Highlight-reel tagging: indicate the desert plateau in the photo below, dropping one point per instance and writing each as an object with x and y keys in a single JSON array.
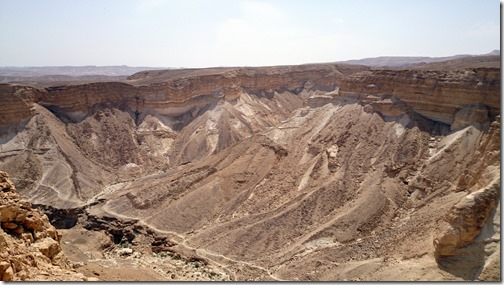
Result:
[{"x": 346, "y": 171}]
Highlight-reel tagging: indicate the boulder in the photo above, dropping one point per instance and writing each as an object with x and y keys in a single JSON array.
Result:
[
  {"x": 8, "y": 274},
  {"x": 9, "y": 226},
  {"x": 125, "y": 251},
  {"x": 466, "y": 219},
  {"x": 34, "y": 221},
  {"x": 48, "y": 247}
]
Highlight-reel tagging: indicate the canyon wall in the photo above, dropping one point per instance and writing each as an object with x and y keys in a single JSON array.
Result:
[{"x": 437, "y": 95}]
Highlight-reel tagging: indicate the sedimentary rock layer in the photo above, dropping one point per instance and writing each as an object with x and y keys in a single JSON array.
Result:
[
  {"x": 16, "y": 102},
  {"x": 437, "y": 95}
]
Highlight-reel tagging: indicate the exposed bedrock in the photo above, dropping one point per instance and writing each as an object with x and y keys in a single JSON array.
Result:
[
  {"x": 15, "y": 103},
  {"x": 470, "y": 114},
  {"x": 437, "y": 95},
  {"x": 29, "y": 245},
  {"x": 466, "y": 219}
]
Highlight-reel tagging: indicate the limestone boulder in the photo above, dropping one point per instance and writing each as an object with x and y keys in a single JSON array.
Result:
[
  {"x": 35, "y": 221},
  {"x": 466, "y": 219},
  {"x": 48, "y": 247}
]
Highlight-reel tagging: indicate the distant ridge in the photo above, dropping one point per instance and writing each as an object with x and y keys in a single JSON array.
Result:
[
  {"x": 120, "y": 70},
  {"x": 494, "y": 52},
  {"x": 91, "y": 73},
  {"x": 404, "y": 61}
]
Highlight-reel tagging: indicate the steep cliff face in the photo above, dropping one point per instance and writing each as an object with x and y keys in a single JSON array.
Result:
[
  {"x": 29, "y": 244},
  {"x": 437, "y": 95},
  {"x": 16, "y": 103},
  {"x": 175, "y": 92}
]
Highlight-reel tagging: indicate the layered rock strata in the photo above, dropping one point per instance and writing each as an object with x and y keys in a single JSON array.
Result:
[
  {"x": 437, "y": 95},
  {"x": 16, "y": 102}
]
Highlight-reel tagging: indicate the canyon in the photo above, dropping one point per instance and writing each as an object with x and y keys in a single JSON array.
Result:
[{"x": 307, "y": 172}]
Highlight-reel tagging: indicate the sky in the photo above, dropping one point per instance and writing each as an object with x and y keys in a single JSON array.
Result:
[{"x": 204, "y": 33}]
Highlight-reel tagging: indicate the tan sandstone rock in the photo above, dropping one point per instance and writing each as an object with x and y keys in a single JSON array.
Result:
[
  {"x": 24, "y": 256},
  {"x": 470, "y": 114},
  {"x": 466, "y": 219}
]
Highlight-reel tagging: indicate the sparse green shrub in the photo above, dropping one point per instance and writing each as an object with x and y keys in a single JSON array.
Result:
[
  {"x": 124, "y": 244},
  {"x": 212, "y": 275}
]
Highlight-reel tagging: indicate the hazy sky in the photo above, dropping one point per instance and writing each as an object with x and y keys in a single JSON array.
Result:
[{"x": 200, "y": 33}]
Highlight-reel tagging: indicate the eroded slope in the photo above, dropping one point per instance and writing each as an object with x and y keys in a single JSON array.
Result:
[{"x": 334, "y": 183}]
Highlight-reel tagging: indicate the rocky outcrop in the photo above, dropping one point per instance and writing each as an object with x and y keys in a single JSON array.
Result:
[
  {"x": 466, "y": 219},
  {"x": 29, "y": 244}
]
